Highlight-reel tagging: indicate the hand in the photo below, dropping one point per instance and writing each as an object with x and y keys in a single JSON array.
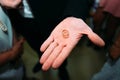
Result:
[
  {"x": 63, "y": 39},
  {"x": 17, "y": 49},
  {"x": 10, "y": 3}
]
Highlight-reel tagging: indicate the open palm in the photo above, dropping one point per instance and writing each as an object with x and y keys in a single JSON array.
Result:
[{"x": 63, "y": 39}]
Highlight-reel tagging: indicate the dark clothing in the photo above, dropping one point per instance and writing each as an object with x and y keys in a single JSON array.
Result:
[
  {"x": 47, "y": 15},
  {"x": 56, "y": 10}
]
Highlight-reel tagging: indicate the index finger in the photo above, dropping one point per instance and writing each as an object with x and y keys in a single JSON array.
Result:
[{"x": 45, "y": 45}]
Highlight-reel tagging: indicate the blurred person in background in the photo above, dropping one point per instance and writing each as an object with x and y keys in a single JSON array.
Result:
[
  {"x": 106, "y": 24},
  {"x": 11, "y": 66}
]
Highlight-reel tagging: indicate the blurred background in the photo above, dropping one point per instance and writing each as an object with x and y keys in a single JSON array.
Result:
[{"x": 83, "y": 63}]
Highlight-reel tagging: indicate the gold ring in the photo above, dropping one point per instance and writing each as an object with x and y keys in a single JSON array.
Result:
[{"x": 65, "y": 34}]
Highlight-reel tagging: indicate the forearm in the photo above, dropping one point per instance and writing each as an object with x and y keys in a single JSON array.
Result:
[{"x": 6, "y": 56}]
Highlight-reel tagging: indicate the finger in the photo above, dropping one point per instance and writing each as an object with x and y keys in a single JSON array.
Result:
[
  {"x": 13, "y": 3},
  {"x": 96, "y": 39},
  {"x": 19, "y": 5},
  {"x": 46, "y": 44},
  {"x": 48, "y": 51},
  {"x": 16, "y": 2},
  {"x": 22, "y": 40},
  {"x": 63, "y": 55},
  {"x": 51, "y": 58},
  {"x": 93, "y": 36}
]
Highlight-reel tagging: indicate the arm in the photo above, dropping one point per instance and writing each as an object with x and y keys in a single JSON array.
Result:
[
  {"x": 12, "y": 53},
  {"x": 63, "y": 39},
  {"x": 5, "y": 57}
]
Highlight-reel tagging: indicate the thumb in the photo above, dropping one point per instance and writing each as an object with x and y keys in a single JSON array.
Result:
[{"x": 96, "y": 39}]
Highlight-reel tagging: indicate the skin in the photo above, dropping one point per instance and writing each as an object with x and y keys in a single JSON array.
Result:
[
  {"x": 14, "y": 53},
  {"x": 63, "y": 39},
  {"x": 10, "y": 3}
]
